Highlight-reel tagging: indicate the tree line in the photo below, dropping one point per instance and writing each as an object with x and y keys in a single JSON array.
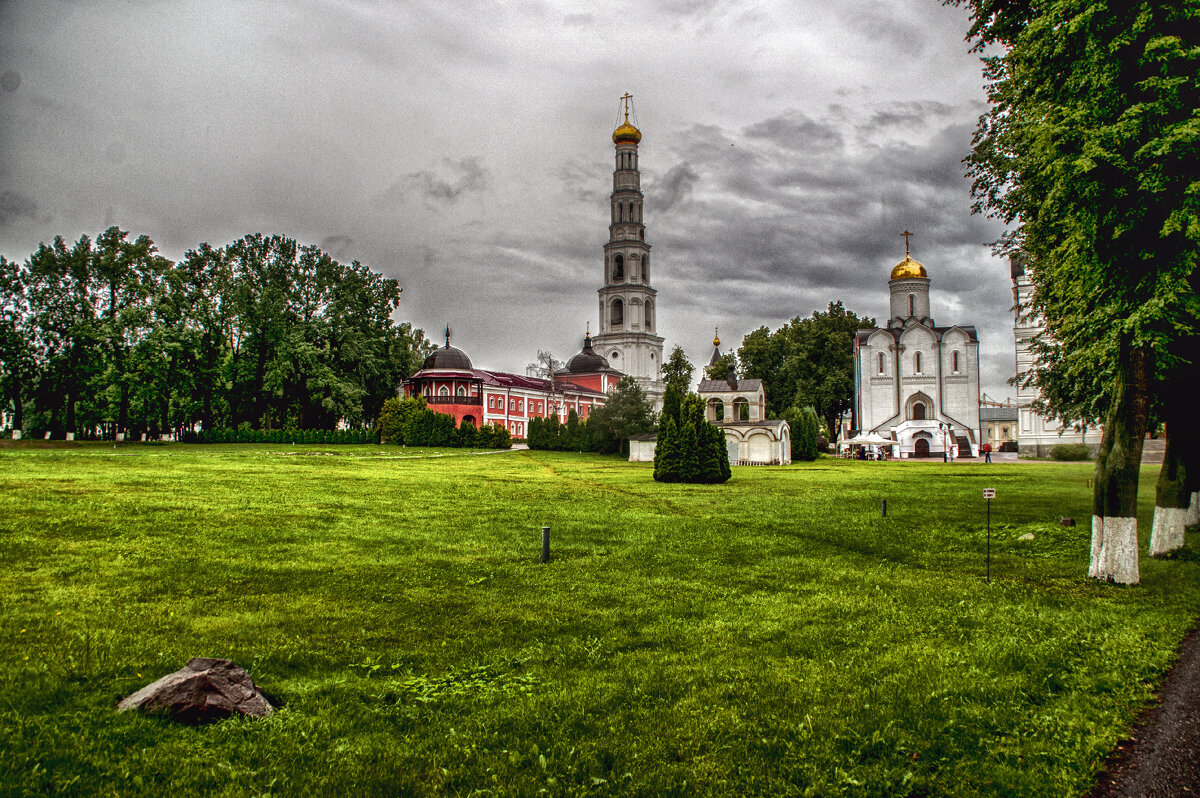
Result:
[{"x": 107, "y": 336}]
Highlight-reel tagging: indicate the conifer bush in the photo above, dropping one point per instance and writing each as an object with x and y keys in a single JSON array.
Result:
[{"x": 690, "y": 449}]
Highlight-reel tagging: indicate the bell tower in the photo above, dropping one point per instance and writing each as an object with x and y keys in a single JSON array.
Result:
[{"x": 628, "y": 305}]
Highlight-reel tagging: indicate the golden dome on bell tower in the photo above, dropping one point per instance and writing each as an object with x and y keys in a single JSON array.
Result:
[{"x": 627, "y": 132}]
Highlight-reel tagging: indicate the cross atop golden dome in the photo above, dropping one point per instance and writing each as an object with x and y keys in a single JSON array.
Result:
[
  {"x": 908, "y": 267},
  {"x": 627, "y": 132}
]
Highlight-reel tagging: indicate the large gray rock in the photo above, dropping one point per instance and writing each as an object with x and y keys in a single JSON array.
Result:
[{"x": 203, "y": 691}]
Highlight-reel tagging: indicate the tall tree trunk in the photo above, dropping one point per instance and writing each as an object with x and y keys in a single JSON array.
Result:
[
  {"x": 1173, "y": 493},
  {"x": 1114, "y": 501},
  {"x": 18, "y": 406}
]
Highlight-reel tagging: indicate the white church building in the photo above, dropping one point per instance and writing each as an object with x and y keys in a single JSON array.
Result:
[{"x": 915, "y": 382}]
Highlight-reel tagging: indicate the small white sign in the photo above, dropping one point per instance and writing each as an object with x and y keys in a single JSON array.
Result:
[{"x": 989, "y": 493}]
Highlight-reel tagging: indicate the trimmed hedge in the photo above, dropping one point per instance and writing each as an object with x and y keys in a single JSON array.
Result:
[
  {"x": 339, "y": 436},
  {"x": 1071, "y": 451}
]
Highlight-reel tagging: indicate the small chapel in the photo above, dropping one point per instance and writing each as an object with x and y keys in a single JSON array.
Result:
[
  {"x": 914, "y": 381},
  {"x": 738, "y": 407}
]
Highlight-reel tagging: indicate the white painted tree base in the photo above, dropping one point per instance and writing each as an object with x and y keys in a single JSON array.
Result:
[
  {"x": 1167, "y": 533},
  {"x": 1114, "y": 550},
  {"x": 1193, "y": 512}
]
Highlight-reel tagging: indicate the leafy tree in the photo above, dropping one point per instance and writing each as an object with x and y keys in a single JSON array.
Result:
[
  {"x": 677, "y": 371},
  {"x": 18, "y": 359},
  {"x": 627, "y": 412},
  {"x": 808, "y": 361},
  {"x": 720, "y": 369},
  {"x": 394, "y": 417},
  {"x": 1088, "y": 154}
]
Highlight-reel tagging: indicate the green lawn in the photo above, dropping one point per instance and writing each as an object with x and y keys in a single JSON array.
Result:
[{"x": 773, "y": 635}]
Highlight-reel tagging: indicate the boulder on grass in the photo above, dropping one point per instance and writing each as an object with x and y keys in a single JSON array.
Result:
[{"x": 203, "y": 691}]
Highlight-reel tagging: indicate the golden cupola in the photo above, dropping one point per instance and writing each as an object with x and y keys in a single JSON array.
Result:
[
  {"x": 908, "y": 268},
  {"x": 627, "y": 132}
]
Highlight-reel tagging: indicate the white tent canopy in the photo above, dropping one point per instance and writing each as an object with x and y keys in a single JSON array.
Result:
[{"x": 869, "y": 440}]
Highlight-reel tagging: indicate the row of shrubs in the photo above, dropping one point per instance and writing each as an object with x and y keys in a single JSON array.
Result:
[
  {"x": 410, "y": 422},
  {"x": 244, "y": 435},
  {"x": 426, "y": 427},
  {"x": 574, "y": 436}
]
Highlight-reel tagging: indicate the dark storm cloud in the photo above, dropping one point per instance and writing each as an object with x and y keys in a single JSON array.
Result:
[
  {"x": 907, "y": 114},
  {"x": 445, "y": 186},
  {"x": 787, "y": 228},
  {"x": 797, "y": 132},
  {"x": 14, "y": 206},
  {"x": 676, "y": 186}
]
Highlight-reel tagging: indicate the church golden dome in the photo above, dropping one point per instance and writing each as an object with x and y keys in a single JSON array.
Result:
[
  {"x": 627, "y": 132},
  {"x": 908, "y": 268}
]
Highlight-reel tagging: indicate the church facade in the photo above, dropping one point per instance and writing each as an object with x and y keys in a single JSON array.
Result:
[{"x": 914, "y": 381}]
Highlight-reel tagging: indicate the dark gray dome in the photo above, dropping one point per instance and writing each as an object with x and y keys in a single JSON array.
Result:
[
  {"x": 448, "y": 357},
  {"x": 587, "y": 361}
]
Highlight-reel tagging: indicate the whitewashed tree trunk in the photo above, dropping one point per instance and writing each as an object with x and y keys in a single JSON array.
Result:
[
  {"x": 1094, "y": 569},
  {"x": 1118, "y": 463},
  {"x": 1119, "y": 554},
  {"x": 1167, "y": 533},
  {"x": 1193, "y": 513}
]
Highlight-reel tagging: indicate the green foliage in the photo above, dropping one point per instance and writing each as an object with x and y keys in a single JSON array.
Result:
[
  {"x": 109, "y": 335},
  {"x": 627, "y": 412},
  {"x": 805, "y": 432},
  {"x": 724, "y": 364},
  {"x": 808, "y": 361},
  {"x": 1088, "y": 154},
  {"x": 394, "y": 416},
  {"x": 397, "y": 609},
  {"x": 691, "y": 450},
  {"x": 1070, "y": 452},
  {"x": 677, "y": 371}
]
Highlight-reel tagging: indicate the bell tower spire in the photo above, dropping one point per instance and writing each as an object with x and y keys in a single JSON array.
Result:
[{"x": 628, "y": 303}]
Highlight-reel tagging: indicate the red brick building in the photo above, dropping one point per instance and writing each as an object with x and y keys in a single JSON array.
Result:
[{"x": 452, "y": 385}]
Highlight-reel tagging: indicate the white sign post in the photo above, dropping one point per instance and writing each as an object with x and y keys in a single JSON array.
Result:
[{"x": 989, "y": 494}]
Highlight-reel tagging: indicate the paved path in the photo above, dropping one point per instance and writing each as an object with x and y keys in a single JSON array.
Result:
[{"x": 1161, "y": 758}]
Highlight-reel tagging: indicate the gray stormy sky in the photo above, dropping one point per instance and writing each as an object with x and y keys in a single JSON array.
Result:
[{"x": 465, "y": 148}]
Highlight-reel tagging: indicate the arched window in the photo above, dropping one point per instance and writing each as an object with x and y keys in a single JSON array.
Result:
[
  {"x": 881, "y": 362},
  {"x": 741, "y": 409},
  {"x": 912, "y": 305},
  {"x": 645, "y": 268},
  {"x": 716, "y": 410},
  {"x": 650, "y": 317},
  {"x": 491, "y": 402},
  {"x": 954, "y": 361},
  {"x": 462, "y": 390},
  {"x": 918, "y": 411},
  {"x": 443, "y": 391},
  {"x": 616, "y": 313},
  {"x": 917, "y": 362},
  {"x": 618, "y": 268}
]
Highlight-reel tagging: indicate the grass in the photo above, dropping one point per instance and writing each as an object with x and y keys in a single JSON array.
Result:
[{"x": 774, "y": 635}]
